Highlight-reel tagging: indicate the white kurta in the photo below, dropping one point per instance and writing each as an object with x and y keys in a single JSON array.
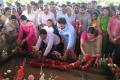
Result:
[
  {"x": 29, "y": 16},
  {"x": 42, "y": 18},
  {"x": 48, "y": 29}
]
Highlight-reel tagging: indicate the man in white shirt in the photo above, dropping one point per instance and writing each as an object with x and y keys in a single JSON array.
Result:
[
  {"x": 28, "y": 13},
  {"x": 45, "y": 15},
  {"x": 52, "y": 41},
  {"x": 35, "y": 11},
  {"x": 53, "y": 8}
]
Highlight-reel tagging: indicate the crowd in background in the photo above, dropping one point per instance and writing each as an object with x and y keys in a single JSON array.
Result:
[{"x": 66, "y": 30}]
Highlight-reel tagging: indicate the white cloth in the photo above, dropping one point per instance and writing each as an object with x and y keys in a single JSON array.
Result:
[
  {"x": 42, "y": 18},
  {"x": 52, "y": 39},
  {"x": 35, "y": 16},
  {"x": 48, "y": 29},
  {"x": 29, "y": 16}
]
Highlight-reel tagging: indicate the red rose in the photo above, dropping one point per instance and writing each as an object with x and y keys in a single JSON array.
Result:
[
  {"x": 85, "y": 68},
  {"x": 77, "y": 23},
  {"x": 114, "y": 70},
  {"x": 98, "y": 55},
  {"x": 1, "y": 77},
  {"x": 86, "y": 57},
  {"x": 109, "y": 60},
  {"x": 77, "y": 64}
]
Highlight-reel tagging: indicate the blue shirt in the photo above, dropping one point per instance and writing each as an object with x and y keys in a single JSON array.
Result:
[
  {"x": 69, "y": 36},
  {"x": 60, "y": 14},
  {"x": 70, "y": 18},
  {"x": 1, "y": 2}
]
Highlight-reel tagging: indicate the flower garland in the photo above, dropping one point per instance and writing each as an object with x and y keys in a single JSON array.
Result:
[{"x": 84, "y": 64}]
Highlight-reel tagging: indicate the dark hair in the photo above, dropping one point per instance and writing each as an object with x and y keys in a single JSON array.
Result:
[
  {"x": 94, "y": 2},
  {"x": 13, "y": 17},
  {"x": 112, "y": 8},
  {"x": 51, "y": 21},
  {"x": 62, "y": 21},
  {"x": 32, "y": 2},
  {"x": 52, "y": 3},
  {"x": 94, "y": 13},
  {"x": 77, "y": 5},
  {"x": 92, "y": 30},
  {"x": 63, "y": 5},
  {"x": 42, "y": 31},
  {"x": 23, "y": 17},
  {"x": 35, "y": 4},
  {"x": 7, "y": 9},
  {"x": 107, "y": 8},
  {"x": 83, "y": 6},
  {"x": 40, "y": 2},
  {"x": 17, "y": 4}
]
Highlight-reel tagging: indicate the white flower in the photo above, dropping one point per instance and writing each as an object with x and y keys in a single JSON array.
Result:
[
  {"x": 31, "y": 77},
  {"x": 13, "y": 50},
  {"x": 42, "y": 77},
  {"x": 5, "y": 73},
  {"x": 9, "y": 71}
]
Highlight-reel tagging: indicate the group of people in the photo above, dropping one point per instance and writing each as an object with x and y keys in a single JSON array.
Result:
[{"x": 66, "y": 30}]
